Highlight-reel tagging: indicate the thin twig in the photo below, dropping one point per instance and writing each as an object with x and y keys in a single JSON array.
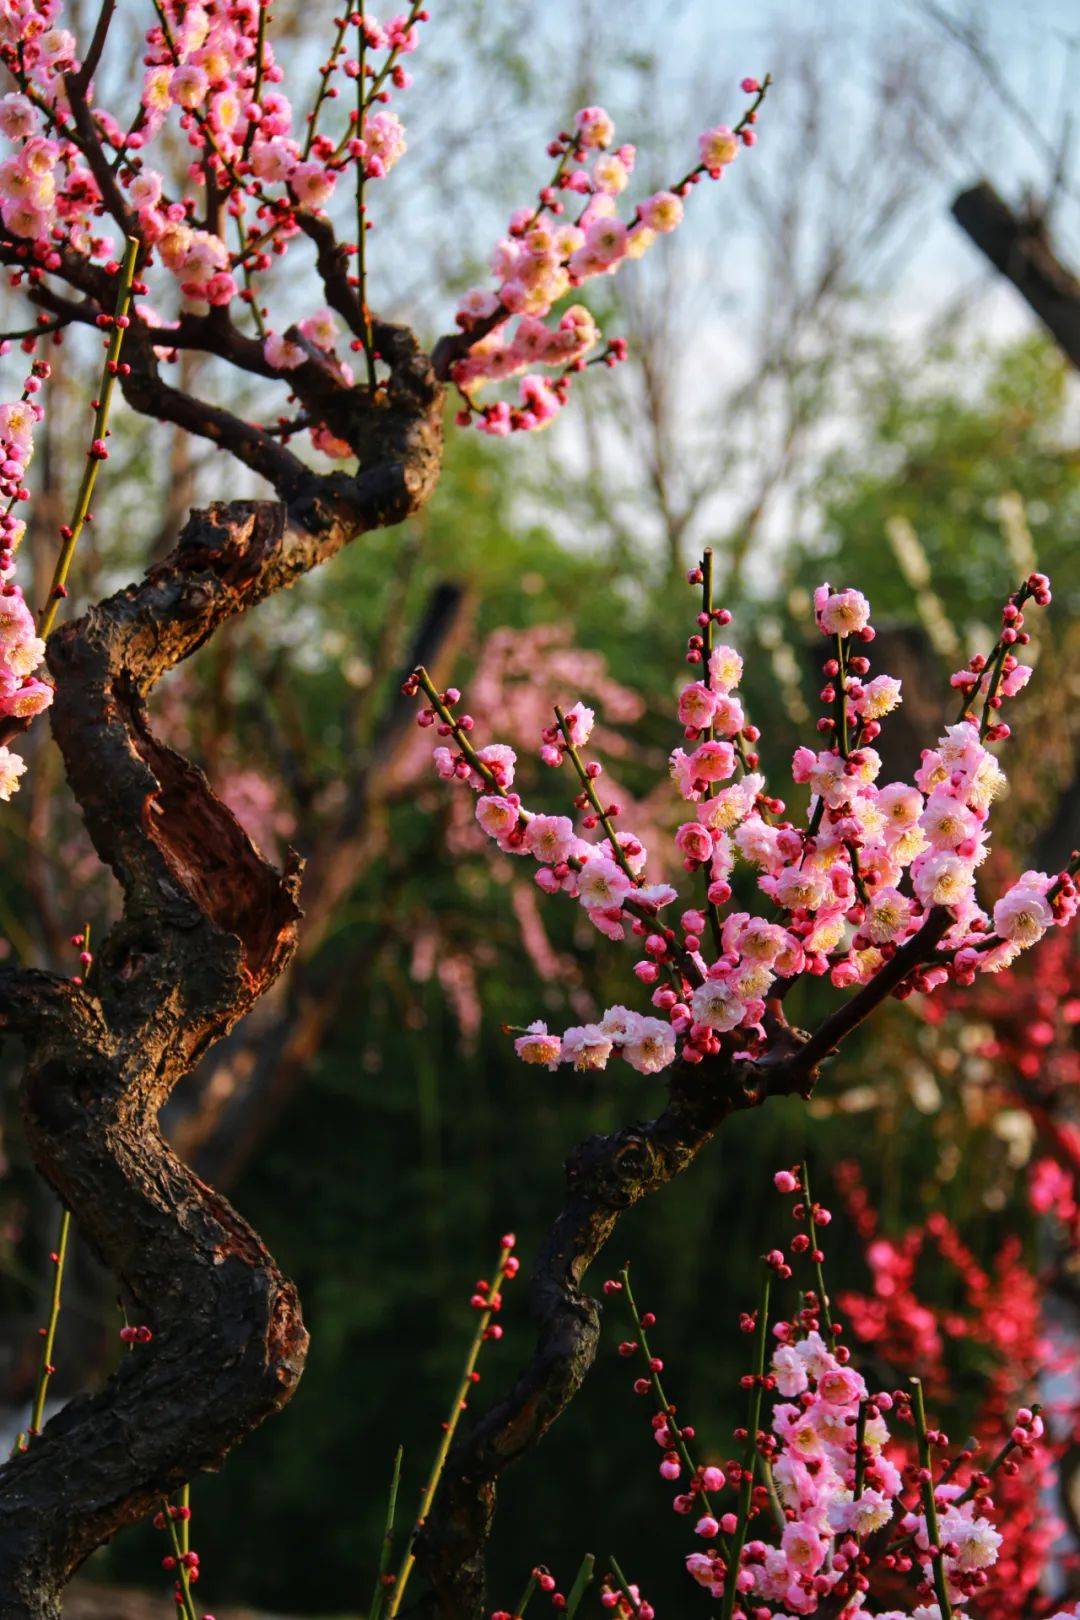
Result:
[
  {"x": 941, "y": 1585},
  {"x": 58, "y": 586},
  {"x": 46, "y": 1369},
  {"x": 823, "y": 1297},
  {"x": 387, "y": 1545},
  {"x": 746, "y": 1483},
  {"x": 450, "y": 1427}
]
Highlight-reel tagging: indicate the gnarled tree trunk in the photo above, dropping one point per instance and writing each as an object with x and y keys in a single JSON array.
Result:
[{"x": 207, "y": 927}]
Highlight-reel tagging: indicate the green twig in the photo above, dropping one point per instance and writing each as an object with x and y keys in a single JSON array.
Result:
[
  {"x": 823, "y": 1297},
  {"x": 434, "y": 697},
  {"x": 663, "y": 1404},
  {"x": 325, "y": 74},
  {"x": 386, "y": 1546},
  {"x": 624, "y": 1584},
  {"x": 941, "y": 1585},
  {"x": 994, "y": 1464},
  {"x": 580, "y": 1586},
  {"x": 526, "y": 1597},
  {"x": 185, "y": 1534},
  {"x": 618, "y": 854},
  {"x": 750, "y": 1452},
  {"x": 58, "y": 587},
  {"x": 185, "y": 1601},
  {"x": 46, "y": 1369},
  {"x": 449, "y": 1429},
  {"x": 634, "y": 907}
]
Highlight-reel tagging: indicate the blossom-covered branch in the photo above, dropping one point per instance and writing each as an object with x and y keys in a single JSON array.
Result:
[
  {"x": 836, "y": 1511},
  {"x": 874, "y": 890},
  {"x": 877, "y": 889},
  {"x": 546, "y": 253}
]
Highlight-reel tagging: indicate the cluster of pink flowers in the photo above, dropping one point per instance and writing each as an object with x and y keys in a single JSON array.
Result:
[
  {"x": 852, "y": 886},
  {"x": 266, "y": 172},
  {"x": 553, "y": 248},
  {"x": 30, "y": 200},
  {"x": 212, "y": 67},
  {"x": 628, "y": 1604},
  {"x": 543, "y": 1580},
  {"x": 77, "y": 171},
  {"x": 830, "y": 1505},
  {"x": 22, "y": 694},
  {"x": 810, "y": 1451},
  {"x": 209, "y": 64}
]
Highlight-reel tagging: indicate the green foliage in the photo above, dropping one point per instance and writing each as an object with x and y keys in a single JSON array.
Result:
[{"x": 943, "y": 449}]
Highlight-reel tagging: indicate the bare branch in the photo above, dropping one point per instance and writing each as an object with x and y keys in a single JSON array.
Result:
[{"x": 80, "y": 81}]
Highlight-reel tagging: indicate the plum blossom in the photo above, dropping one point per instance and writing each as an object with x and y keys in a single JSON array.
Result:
[
  {"x": 1023, "y": 914},
  {"x": 586, "y": 1046},
  {"x": 497, "y": 816},
  {"x": 841, "y": 613},
  {"x": 538, "y": 1047},
  {"x": 12, "y": 766},
  {"x": 550, "y": 839},
  {"x": 544, "y": 255},
  {"x": 651, "y": 1046},
  {"x": 602, "y": 883}
]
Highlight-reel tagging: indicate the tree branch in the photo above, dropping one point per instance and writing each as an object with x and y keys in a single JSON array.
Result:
[
  {"x": 80, "y": 81},
  {"x": 605, "y": 1175},
  {"x": 221, "y": 1125},
  {"x": 858, "y": 1008}
]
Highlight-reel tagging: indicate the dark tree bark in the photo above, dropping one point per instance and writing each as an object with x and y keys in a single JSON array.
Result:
[
  {"x": 1020, "y": 248},
  {"x": 207, "y": 927}
]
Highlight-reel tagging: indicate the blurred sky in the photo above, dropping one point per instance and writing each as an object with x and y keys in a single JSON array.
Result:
[
  {"x": 999, "y": 79},
  {"x": 1030, "y": 81}
]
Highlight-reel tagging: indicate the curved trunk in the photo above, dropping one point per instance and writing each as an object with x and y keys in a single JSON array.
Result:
[{"x": 208, "y": 926}]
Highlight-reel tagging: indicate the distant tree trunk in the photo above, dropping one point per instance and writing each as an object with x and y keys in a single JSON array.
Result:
[{"x": 1019, "y": 247}]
